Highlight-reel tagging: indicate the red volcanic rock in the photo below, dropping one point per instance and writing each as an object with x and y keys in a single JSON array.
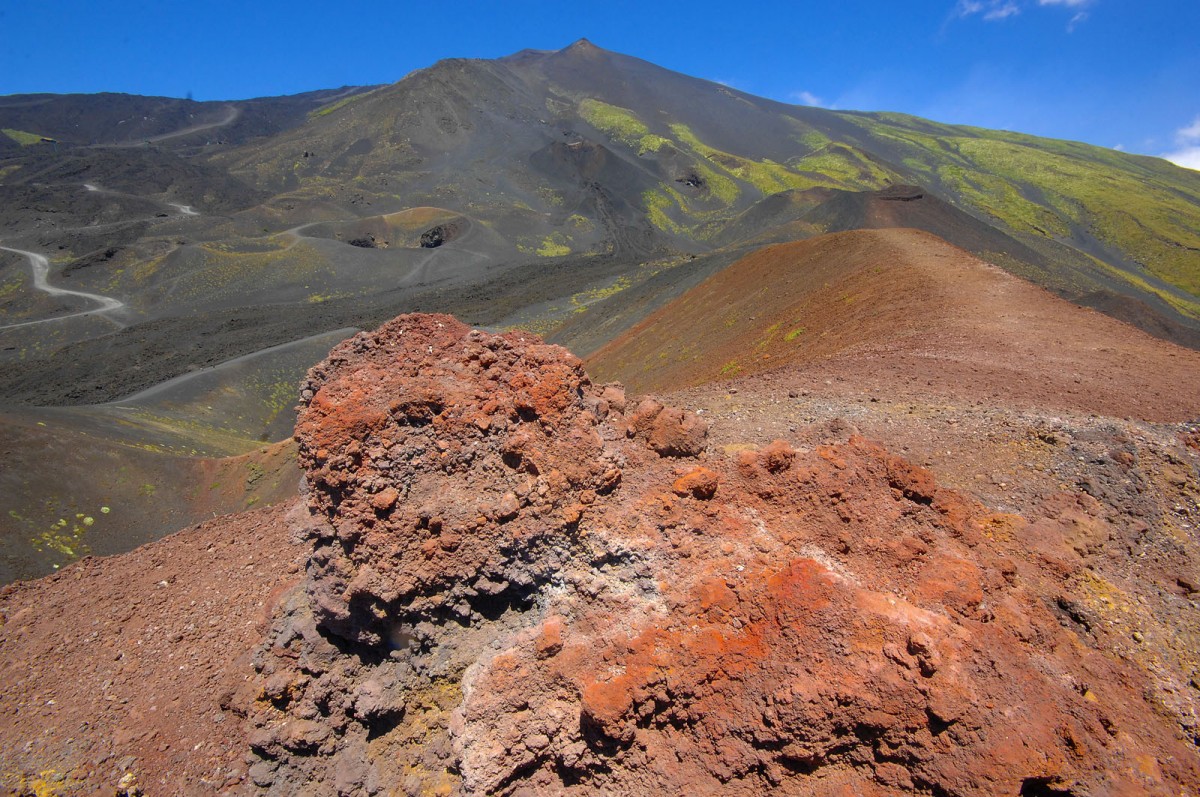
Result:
[
  {"x": 777, "y": 456},
  {"x": 701, "y": 482},
  {"x": 514, "y": 589},
  {"x": 670, "y": 431},
  {"x": 677, "y": 433},
  {"x": 441, "y": 456}
]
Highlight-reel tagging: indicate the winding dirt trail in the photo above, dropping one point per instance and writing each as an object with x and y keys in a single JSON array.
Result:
[
  {"x": 231, "y": 116},
  {"x": 40, "y": 267},
  {"x": 185, "y": 210},
  {"x": 335, "y": 336}
]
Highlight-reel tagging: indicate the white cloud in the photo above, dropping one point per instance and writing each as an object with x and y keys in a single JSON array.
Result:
[
  {"x": 807, "y": 98},
  {"x": 998, "y": 10},
  {"x": 1188, "y": 158},
  {"x": 1078, "y": 17},
  {"x": 1189, "y": 133},
  {"x": 1187, "y": 139},
  {"x": 1001, "y": 12},
  {"x": 991, "y": 10}
]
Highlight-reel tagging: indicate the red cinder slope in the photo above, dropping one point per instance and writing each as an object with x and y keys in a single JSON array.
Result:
[
  {"x": 901, "y": 310},
  {"x": 120, "y": 665}
]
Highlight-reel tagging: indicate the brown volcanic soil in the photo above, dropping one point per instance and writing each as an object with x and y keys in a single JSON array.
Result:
[
  {"x": 118, "y": 665},
  {"x": 899, "y": 312},
  {"x": 522, "y": 583}
]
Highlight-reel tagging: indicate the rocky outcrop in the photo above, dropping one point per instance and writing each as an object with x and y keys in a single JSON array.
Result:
[
  {"x": 525, "y": 583},
  {"x": 436, "y": 236}
]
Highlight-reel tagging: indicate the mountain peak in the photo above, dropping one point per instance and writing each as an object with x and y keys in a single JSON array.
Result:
[{"x": 581, "y": 46}]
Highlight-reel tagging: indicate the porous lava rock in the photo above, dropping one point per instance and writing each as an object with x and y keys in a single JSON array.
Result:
[
  {"x": 522, "y": 583},
  {"x": 436, "y": 236}
]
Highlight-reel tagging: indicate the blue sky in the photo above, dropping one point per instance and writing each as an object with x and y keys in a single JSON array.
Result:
[{"x": 1117, "y": 73}]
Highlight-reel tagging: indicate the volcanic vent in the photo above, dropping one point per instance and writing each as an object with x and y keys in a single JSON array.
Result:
[{"x": 522, "y": 582}]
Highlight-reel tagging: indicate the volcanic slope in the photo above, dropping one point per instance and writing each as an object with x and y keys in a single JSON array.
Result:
[
  {"x": 126, "y": 120},
  {"x": 801, "y": 214},
  {"x": 522, "y": 582},
  {"x": 900, "y": 311},
  {"x": 581, "y": 149},
  {"x": 558, "y": 178}
]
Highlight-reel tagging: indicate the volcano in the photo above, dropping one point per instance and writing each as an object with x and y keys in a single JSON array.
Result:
[{"x": 651, "y": 436}]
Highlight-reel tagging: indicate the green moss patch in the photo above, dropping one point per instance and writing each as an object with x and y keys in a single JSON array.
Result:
[
  {"x": 622, "y": 125},
  {"x": 21, "y": 137}
]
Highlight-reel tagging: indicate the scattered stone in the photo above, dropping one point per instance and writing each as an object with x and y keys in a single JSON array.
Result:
[
  {"x": 386, "y": 499},
  {"x": 128, "y": 786}
]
